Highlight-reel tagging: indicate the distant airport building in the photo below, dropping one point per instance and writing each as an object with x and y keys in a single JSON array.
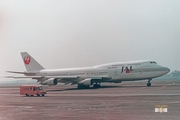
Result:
[{"x": 175, "y": 73}]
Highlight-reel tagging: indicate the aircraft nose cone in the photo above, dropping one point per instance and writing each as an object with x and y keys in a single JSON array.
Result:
[{"x": 166, "y": 69}]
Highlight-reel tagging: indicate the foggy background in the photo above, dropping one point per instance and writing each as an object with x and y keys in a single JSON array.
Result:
[{"x": 79, "y": 33}]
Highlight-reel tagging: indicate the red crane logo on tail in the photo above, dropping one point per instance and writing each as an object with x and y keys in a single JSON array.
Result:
[{"x": 27, "y": 60}]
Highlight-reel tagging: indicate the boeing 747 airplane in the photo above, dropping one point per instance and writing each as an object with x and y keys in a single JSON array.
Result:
[{"x": 86, "y": 77}]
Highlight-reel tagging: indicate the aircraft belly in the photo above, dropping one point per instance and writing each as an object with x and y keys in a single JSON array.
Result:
[{"x": 135, "y": 76}]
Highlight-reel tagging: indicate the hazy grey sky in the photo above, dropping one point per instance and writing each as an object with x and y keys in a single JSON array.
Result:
[{"x": 77, "y": 33}]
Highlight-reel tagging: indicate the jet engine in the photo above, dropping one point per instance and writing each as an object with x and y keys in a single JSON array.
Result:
[
  {"x": 86, "y": 82},
  {"x": 51, "y": 81}
]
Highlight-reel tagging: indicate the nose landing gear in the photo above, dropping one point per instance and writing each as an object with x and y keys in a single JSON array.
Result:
[{"x": 149, "y": 82}]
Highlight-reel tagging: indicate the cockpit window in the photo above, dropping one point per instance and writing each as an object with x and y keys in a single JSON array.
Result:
[
  {"x": 153, "y": 62},
  {"x": 40, "y": 88}
]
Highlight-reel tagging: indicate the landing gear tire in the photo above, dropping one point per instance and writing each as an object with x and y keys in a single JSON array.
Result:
[
  {"x": 148, "y": 84},
  {"x": 96, "y": 85}
]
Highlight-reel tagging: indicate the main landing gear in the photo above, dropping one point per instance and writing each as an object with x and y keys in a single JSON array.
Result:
[
  {"x": 81, "y": 86},
  {"x": 97, "y": 85},
  {"x": 149, "y": 82}
]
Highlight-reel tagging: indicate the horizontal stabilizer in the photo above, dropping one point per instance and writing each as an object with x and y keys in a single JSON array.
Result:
[
  {"x": 32, "y": 77},
  {"x": 25, "y": 73},
  {"x": 18, "y": 72}
]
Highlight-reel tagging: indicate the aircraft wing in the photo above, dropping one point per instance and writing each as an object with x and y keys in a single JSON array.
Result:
[
  {"x": 74, "y": 80},
  {"x": 62, "y": 79},
  {"x": 39, "y": 77},
  {"x": 73, "y": 77},
  {"x": 101, "y": 77}
]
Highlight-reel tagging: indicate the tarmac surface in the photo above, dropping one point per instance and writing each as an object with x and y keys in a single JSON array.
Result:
[{"x": 125, "y": 101}]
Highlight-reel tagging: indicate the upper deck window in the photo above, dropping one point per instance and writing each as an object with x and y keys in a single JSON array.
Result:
[{"x": 153, "y": 62}]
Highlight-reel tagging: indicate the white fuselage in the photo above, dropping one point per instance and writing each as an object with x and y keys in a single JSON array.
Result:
[{"x": 112, "y": 72}]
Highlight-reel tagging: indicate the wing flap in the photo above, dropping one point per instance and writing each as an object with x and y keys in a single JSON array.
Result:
[
  {"x": 63, "y": 77},
  {"x": 100, "y": 77}
]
